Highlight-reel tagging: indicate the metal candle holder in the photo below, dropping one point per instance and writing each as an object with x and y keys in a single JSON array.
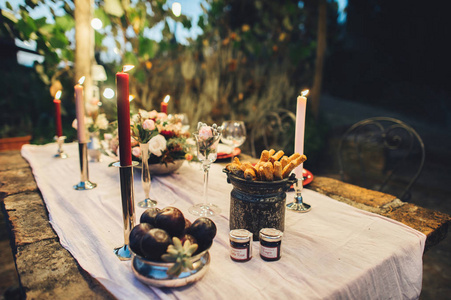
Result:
[
  {"x": 128, "y": 208},
  {"x": 84, "y": 183},
  {"x": 298, "y": 205},
  {"x": 60, "y": 142}
]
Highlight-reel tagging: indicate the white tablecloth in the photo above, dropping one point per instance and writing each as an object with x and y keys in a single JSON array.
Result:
[{"x": 333, "y": 252}]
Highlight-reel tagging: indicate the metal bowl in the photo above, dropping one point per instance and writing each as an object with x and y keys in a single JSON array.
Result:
[
  {"x": 154, "y": 273},
  {"x": 162, "y": 169}
]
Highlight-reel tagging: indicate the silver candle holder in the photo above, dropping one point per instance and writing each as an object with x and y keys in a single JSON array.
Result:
[
  {"x": 128, "y": 208},
  {"x": 298, "y": 205},
  {"x": 60, "y": 142},
  {"x": 84, "y": 183}
]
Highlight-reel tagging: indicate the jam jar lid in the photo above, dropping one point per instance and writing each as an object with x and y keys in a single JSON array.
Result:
[
  {"x": 240, "y": 235},
  {"x": 270, "y": 234}
]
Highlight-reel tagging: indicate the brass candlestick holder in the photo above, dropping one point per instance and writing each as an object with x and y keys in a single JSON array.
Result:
[
  {"x": 84, "y": 183},
  {"x": 298, "y": 205},
  {"x": 60, "y": 142},
  {"x": 128, "y": 208}
]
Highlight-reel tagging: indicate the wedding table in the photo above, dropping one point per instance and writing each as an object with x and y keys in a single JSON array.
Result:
[{"x": 335, "y": 251}]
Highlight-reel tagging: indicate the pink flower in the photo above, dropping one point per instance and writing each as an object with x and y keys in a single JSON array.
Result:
[
  {"x": 136, "y": 151},
  {"x": 149, "y": 124},
  {"x": 205, "y": 133},
  {"x": 153, "y": 114},
  {"x": 133, "y": 142},
  {"x": 162, "y": 116}
]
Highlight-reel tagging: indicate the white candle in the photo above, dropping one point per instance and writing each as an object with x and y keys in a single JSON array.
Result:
[
  {"x": 301, "y": 108},
  {"x": 80, "y": 111}
]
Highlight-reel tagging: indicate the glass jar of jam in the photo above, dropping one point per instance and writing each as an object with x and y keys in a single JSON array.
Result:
[
  {"x": 270, "y": 243},
  {"x": 240, "y": 245}
]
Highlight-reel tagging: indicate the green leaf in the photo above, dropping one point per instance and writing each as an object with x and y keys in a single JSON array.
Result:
[
  {"x": 130, "y": 59},
  {"x": 114, "y": 7},
  {"x": 146, "y": 49},
  {"x": 65, "y": 22},
  {"x": 59, "y": 40}
]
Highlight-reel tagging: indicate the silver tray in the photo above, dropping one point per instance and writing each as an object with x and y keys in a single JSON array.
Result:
[{"x": 154, "y": 273}]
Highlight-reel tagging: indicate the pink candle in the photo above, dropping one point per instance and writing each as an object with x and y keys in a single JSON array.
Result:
[
  {"x": 80, "y": 111},
  {"x": 58, "y": 123},
  {"x": 123, "y": 118},
  {"x": 300, "y": 129},
  {"x": 164, "y": 104}
]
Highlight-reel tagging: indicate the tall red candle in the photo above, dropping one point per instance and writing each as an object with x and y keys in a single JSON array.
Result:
[
  {"x": 164, "y": 104},
  {"x": 123, "y": 118},
  {"x": 58, "y": 123}
]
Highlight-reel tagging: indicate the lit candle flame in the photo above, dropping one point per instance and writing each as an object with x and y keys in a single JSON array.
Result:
[
  {"x": 304, "y": 93},
  {"x": 127, "y": 68},
  {"x": 130, "y": 98},
  {"x": 58, "y": 95},
  {"x": 81, "y": 80},
  {"x": 166, "y": 99}
]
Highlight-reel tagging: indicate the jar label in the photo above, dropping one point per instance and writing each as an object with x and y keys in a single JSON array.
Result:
[
  {"x": 268, "y": 252},
  {"x": 239, "y": 254}
]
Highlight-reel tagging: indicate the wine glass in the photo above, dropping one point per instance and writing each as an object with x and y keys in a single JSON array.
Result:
[
  {"x": 233, "y": 133},
  {"x": 183, "y": 118},
  {"x": 207, "y": 140}
]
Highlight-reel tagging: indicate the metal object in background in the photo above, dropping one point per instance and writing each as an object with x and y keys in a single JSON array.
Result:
[
  {"x": 84, "y": 183},
  {"x": 128, "y": 208},
  {"x": 398, "y": 146},
  {"x": 60, "y": 142}
]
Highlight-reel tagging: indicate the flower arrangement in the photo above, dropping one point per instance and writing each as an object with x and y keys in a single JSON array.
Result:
[
  {"x": 167, "y": 142},
  {"x": 94, "y": 124}
]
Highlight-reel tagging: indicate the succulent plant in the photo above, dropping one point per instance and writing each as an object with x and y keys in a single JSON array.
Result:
[{"x": 180, "y": 255}]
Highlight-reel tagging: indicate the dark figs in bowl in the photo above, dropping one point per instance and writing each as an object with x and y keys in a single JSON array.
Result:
[
  {"x": 203, "y": 230},
  {"x": 148, "y": 216},
  {"x": 171, "y": 219},
  {"x": 155, "y": 243},
  {"x": 136, "y": 235}
]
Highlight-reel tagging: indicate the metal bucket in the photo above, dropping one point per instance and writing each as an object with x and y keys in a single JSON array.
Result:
[{"x": 257, "y": 204}]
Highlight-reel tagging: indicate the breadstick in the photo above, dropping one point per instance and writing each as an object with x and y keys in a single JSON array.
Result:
[
  {"x": 292, "y": 165},
  {"x": 249, "y": 174},
  {"x": 276, "y": 156},
  {"x": 278, "y": 170},
  {"x": 264, "y": 157},
  {"x": 237, "y": 160},
  {"x": 293, "y": 157},
  {"x": 236, "y": 170},
  {"x": 288, "y": 168},
  {"x": 284, "y": 161},
  {"x": 248, "y": 165},
  {"x": 268, "y": 170},
  {"x": 271, "y": 152},
  {"x": 261, "y": 173}
]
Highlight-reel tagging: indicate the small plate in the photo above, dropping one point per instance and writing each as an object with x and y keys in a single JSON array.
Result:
[
  {"x": 308, "y": 177},
  {"x": 235, "y": 152}
]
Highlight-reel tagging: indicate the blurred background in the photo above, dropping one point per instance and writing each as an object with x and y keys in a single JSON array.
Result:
[{"x": 248, "y": 61}]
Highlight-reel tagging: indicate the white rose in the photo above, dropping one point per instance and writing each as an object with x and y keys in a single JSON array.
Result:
[
  {"x": 101, "y": 121},
  {"x": 157, "y": 145},
  {"x": 144, "y": 114}
]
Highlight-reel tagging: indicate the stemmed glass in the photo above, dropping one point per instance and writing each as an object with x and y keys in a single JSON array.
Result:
[
  {"x": 146, "y": 179},
  {"x": 233, "y": 133},
  {"x": 207, "y": 140},
  {"x": 183, "y": 118}
]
